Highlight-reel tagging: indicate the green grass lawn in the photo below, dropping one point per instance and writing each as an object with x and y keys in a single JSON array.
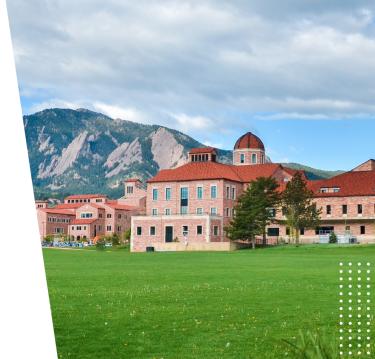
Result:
[{"x": 114, "y": 304}]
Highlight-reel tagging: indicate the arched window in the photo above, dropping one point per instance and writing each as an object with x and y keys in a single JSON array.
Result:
[
  {"x": 254, "y": 158},
  {"x": 242, "y": 158}
]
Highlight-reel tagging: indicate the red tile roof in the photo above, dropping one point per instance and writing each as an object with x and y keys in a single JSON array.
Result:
[
  {"x": 357, "y": 183},
  {"x": 83, "y": 221},
  {"x": 249, "y": 140},
  {"x": 114, "y": 204},
  {"x": 95, "y": 205},
  {"x": 57, "y": 211},
  {"x": 69, "y": 205},
  {"x": 84, "y": 196},
  {"x": 215, "y": 170},
  {"x": 132, "y": 180},
  {"x": 202, "y": 150},
  {"x": 252, "y": 172}
]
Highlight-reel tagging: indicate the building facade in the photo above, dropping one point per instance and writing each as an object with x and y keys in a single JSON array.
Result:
[
  {"x": 189, "y": 206},
  {"x": 90, "y": 216}
]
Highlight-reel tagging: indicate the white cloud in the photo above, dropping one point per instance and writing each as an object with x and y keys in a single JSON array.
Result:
[
  {"x": 144, "y": 61},
  {"x": 117, "y": 112},
  {"x": 186, "y": 123}
]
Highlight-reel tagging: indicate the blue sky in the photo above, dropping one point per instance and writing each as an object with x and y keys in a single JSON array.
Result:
[{"x": 301, "y": 75}]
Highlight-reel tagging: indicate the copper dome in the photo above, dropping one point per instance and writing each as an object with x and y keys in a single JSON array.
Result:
[{"x": 249, "y": 140}]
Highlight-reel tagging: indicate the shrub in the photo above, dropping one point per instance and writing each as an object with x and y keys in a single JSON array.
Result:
[
  {"x": 126, "y": 235},
  {"x": 332, "y": 237},
  {"x": 48, "y": 238},
  {"x": 100, "y": 243},
  {"x": 115, "y": 239}
]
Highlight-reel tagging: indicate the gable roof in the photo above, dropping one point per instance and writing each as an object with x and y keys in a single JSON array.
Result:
[
  {"x": 69, "y": 205},
  {"x": 57, "y": 211},
  {"x": 85, "y": 196},
  {"x": 215, "y": 170},
  {"x": 83, "y": 221},
  {"x": 353, "y": 183}
]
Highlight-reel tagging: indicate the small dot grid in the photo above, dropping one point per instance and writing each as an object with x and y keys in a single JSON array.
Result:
[{"x": 355, "y": 309}]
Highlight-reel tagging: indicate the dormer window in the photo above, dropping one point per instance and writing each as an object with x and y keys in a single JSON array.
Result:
[
  {"x": 323, "y": 190},
  {"x": 335, "y": 189}
]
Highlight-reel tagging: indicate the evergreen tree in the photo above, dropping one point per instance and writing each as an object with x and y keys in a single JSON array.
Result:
[
  {"x": 299, "y": 209},
  {"x": 255, "y": 210}
]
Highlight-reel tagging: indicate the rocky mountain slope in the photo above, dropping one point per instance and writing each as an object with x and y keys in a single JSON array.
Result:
[{"x": 80, "y": 151}]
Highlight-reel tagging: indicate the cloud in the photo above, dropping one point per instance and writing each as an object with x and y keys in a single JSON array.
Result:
[
  {"x": 129, "y": 114},
  {"x": 186, "y": 123},
  {"x": 203, "y": 62}
]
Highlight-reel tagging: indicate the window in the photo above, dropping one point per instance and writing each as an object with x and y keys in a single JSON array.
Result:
[
  {"x": 139, "y": 231},
  {"x": 185, "y": 230},
  {"x": 359, "y": 209},
  {"x": 109, "y": 215},
  {"x": 213, "y": 191},
  {"x": 287, "y": 232},
  {"x": 323, "y": 190},
  {"x": 233, "y": 192},
  {"x": 118, "y": 228},
  {"x": 109, "y": 228},
  {"x": 363, "y": 229},
  {"x": 302, "y": 231},
  {"x": 227, "y": 212},
  {"x": 119, "y": 216},
  {"x": 344, "y": 209},
  {"x": 199, "y": 192},
  {"x": 167, "y": 194},
  {"x": 336, "y": 189},
  {"x": 167, "y": 211},
  {"x": 347, "y": 228},
  {"x": 272, "y": 212},
  {"x": 154, "y": 194},
  {"x": 228, "y": 192},
  {"x": 129, "y": 189},
  {"x": 199, "y": 210},
  {"x": 98, "y": 200},
  {"x": 100, "y": 215},
  {"x": 328, "y": 209},
  {"x": 242, "y": 158},
  {"x": 184, "y": 200},
  {"x": 253, "y": 158},
  {"x": 84, "y": 228},
  {"x": 213, "y": 211},
  {"x": 216, "y": 230},
  {"x": 154, "y": 211},
  {"x": 152, "y": 231},
  {"x": 283, "y": 211},
  {"x": 199, "y": 230},
  {"x": 86, "y": 215},
  {"x": 273, "y": 232},
  {"x": 79, "y": 228}
]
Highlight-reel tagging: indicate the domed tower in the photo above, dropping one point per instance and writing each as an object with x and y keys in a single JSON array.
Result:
[{"x": 249, "y": 150}]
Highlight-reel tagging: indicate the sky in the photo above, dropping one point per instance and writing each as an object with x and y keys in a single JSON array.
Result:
[{"x": 299, "y": 74}]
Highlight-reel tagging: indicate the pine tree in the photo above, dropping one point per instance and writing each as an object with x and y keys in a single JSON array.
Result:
[
  {"x": 255, "y": 210},
  {"x": 299, "y": 209}
]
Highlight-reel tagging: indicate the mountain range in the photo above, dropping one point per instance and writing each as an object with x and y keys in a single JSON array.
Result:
[{"x": 81, "y": 151}]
